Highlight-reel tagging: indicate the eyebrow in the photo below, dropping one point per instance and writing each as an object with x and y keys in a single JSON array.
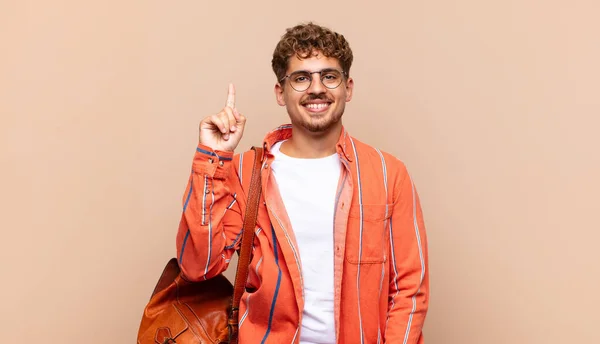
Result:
[{"x": 328, "y": 69}]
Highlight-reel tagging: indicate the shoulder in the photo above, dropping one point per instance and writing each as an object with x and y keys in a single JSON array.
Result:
[{"x": 370, "y": 155}]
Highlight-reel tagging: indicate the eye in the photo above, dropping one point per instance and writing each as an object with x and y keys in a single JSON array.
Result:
[
  {"x": 300, "y": 77},
  {"x": 331, "y": 76}
]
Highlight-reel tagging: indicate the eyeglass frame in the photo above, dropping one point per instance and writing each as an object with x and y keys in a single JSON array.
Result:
[{"x": 343, "y": 73}]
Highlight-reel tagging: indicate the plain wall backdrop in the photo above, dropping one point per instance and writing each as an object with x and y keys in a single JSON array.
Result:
[{"x": 493, "y": 105}]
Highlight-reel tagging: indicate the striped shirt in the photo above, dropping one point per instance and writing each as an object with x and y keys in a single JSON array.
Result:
[{"x": 381, "y": 281}]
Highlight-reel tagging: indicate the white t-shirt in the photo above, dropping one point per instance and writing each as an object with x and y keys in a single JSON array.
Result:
[{"x": 308, "y": 188}]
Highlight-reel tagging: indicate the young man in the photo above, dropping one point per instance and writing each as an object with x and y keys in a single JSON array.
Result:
[{"x": 340, "y": 253}]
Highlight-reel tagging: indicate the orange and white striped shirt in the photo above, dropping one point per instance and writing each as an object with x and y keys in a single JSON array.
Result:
[{"x": 380, "y": 257}]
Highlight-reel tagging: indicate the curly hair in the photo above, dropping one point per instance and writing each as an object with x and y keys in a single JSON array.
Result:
[{"x": 307, "y": 40}]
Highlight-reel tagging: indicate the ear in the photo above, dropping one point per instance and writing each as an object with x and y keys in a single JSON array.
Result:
[
  {"x": 349, "y": 89},
  {"x": 279, "y": 94}
]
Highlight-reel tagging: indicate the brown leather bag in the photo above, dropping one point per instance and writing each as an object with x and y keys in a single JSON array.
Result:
[{"x": 186, "y": 312}]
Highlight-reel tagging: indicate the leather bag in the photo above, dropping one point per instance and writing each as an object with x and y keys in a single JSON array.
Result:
[{"x": 184, "y": 312}]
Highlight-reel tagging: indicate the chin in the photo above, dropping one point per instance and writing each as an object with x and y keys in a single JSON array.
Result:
[{"x": 320, "y": 125}]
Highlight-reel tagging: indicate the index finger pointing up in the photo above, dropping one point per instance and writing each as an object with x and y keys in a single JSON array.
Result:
[{"x": 231, "y": 97}]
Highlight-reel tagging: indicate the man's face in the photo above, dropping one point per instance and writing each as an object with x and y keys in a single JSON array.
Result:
[{"x": 318, "y": 108}]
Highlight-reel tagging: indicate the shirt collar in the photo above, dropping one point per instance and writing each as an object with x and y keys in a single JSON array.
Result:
[{"x": 284, "y": 132}]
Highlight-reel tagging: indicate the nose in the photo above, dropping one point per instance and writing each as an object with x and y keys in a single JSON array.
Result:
[{"x": 316, "y": 86}]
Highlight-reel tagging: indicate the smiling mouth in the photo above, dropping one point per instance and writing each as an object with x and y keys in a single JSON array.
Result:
[{"x": 317, "y": 107}]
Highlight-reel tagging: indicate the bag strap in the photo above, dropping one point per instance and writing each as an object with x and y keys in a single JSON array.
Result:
[{"x": 246, "y": 247}]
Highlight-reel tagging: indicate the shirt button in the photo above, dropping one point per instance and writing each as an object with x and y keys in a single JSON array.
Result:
[
  {"x": 221, "y": 163},
  {"x": 210, "y": 160},
  {"x": 207, "y": 191}
]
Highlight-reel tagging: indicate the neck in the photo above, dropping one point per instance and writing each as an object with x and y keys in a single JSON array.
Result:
[{"x": 307, "y": 145}]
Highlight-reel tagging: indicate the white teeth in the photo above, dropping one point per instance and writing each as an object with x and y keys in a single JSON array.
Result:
[{"x": 317, "y": 106}]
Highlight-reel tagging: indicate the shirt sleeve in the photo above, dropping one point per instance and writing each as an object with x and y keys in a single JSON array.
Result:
[
  {"x": 212, "y": 219},
  {"x": 409, "y": 281}
]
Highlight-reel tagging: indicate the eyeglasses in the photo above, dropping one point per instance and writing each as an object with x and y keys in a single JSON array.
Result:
[{"x": 302, "y": 79}]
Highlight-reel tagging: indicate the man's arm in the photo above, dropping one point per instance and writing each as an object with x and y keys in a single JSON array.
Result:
[
  {"x": 409, "y": 281},
  {"x": 212, "y": 220}
]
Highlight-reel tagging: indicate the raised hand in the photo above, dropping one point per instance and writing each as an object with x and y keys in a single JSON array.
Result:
[{"x": 224, "y": 130}]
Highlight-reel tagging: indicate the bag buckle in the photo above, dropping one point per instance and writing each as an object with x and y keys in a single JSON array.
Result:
[{"x": 232, "y": 324}]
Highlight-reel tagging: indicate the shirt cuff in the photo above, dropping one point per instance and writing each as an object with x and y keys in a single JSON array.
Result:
[{"x": 212, "y": 163}]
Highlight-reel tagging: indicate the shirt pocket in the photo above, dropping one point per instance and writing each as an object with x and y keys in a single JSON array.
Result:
[{"x": 372, "y": 248}]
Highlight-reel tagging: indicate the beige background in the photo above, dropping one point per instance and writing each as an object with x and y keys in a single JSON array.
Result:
[{"x": 493, "y": 105}]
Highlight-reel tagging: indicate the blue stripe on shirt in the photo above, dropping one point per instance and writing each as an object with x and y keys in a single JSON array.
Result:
[
  {"x": 276, "y": 287},
  {"x": 187, "y": 200},
  {"x": 212, "y": 154},
  {"x": 183, "y": 245}
]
